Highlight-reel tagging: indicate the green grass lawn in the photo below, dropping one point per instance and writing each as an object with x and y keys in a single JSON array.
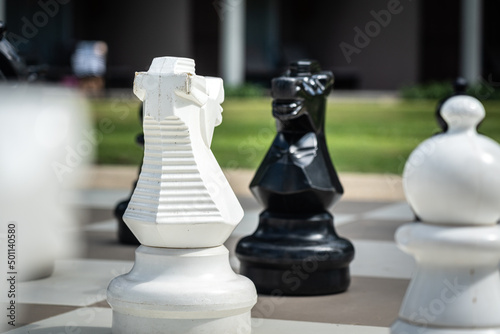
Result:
[{"x": 362, "y": 137}]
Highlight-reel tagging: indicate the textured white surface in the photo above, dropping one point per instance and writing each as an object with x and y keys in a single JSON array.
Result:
[{"x": 182, "y": 198}]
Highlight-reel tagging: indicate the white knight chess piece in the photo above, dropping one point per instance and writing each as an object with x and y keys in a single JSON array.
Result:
[
  {"x": 182, "y": 198},
  {"x": 182, "y": 211}
]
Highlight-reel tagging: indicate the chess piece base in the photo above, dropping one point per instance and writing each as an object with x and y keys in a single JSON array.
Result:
[
  {"x": 295, "y": 280},
  {"x": 312, "y": 260},
  {"x": 185, "y": 290},
  {"x": 456, "y": 286},
  {"x": 125, "y": 323}
]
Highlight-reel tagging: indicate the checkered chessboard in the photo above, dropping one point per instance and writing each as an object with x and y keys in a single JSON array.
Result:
[{"x": 73, "y": 299}]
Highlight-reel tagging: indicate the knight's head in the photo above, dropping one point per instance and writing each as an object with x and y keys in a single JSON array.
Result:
[
  {"x": 171, "y": 88},
  {"x": 301, "y": 93}
]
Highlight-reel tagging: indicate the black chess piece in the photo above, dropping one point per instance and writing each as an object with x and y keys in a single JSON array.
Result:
[
  {"x": 295, "y": 249},
  {"x": 125, "y": 236}
]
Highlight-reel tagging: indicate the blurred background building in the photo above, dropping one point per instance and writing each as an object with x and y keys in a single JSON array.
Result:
[{"x": 368, "y": 44}]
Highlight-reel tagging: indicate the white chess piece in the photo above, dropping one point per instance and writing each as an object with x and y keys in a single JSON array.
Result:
[
  {"x": 452, "y": 181},
  {"x": 454, "y": 177},
  {"x": 182, "y": 198},
  {"x": 182, "y": 211},
  {"x": 42, "y": 151}
]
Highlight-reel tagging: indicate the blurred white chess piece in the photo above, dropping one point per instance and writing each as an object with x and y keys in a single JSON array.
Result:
[
  {"x": 39, "y": 128},
  {"x": 454, "y": 177},
  {"x": 182, "y": 211},
  {"x": 452, "y": 181}
]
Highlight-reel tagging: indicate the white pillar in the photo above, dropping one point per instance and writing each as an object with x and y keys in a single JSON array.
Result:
[
  {"x": 232, "y": 42},
  {"x": 471, "y": 41}
]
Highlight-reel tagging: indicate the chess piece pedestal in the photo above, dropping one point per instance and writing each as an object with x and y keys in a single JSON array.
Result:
[
  {"x": 182, "y": 291},
  {"x": 456, "y": 286},
  {"x": 296, "y": 255},
  {"x": 295, "y": 250}
]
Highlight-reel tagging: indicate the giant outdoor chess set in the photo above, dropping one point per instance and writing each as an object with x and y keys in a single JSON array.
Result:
[{"x": 184, "y": 212}]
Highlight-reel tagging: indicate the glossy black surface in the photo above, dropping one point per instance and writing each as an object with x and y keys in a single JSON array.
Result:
[{"x": 296, "y": 183}]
